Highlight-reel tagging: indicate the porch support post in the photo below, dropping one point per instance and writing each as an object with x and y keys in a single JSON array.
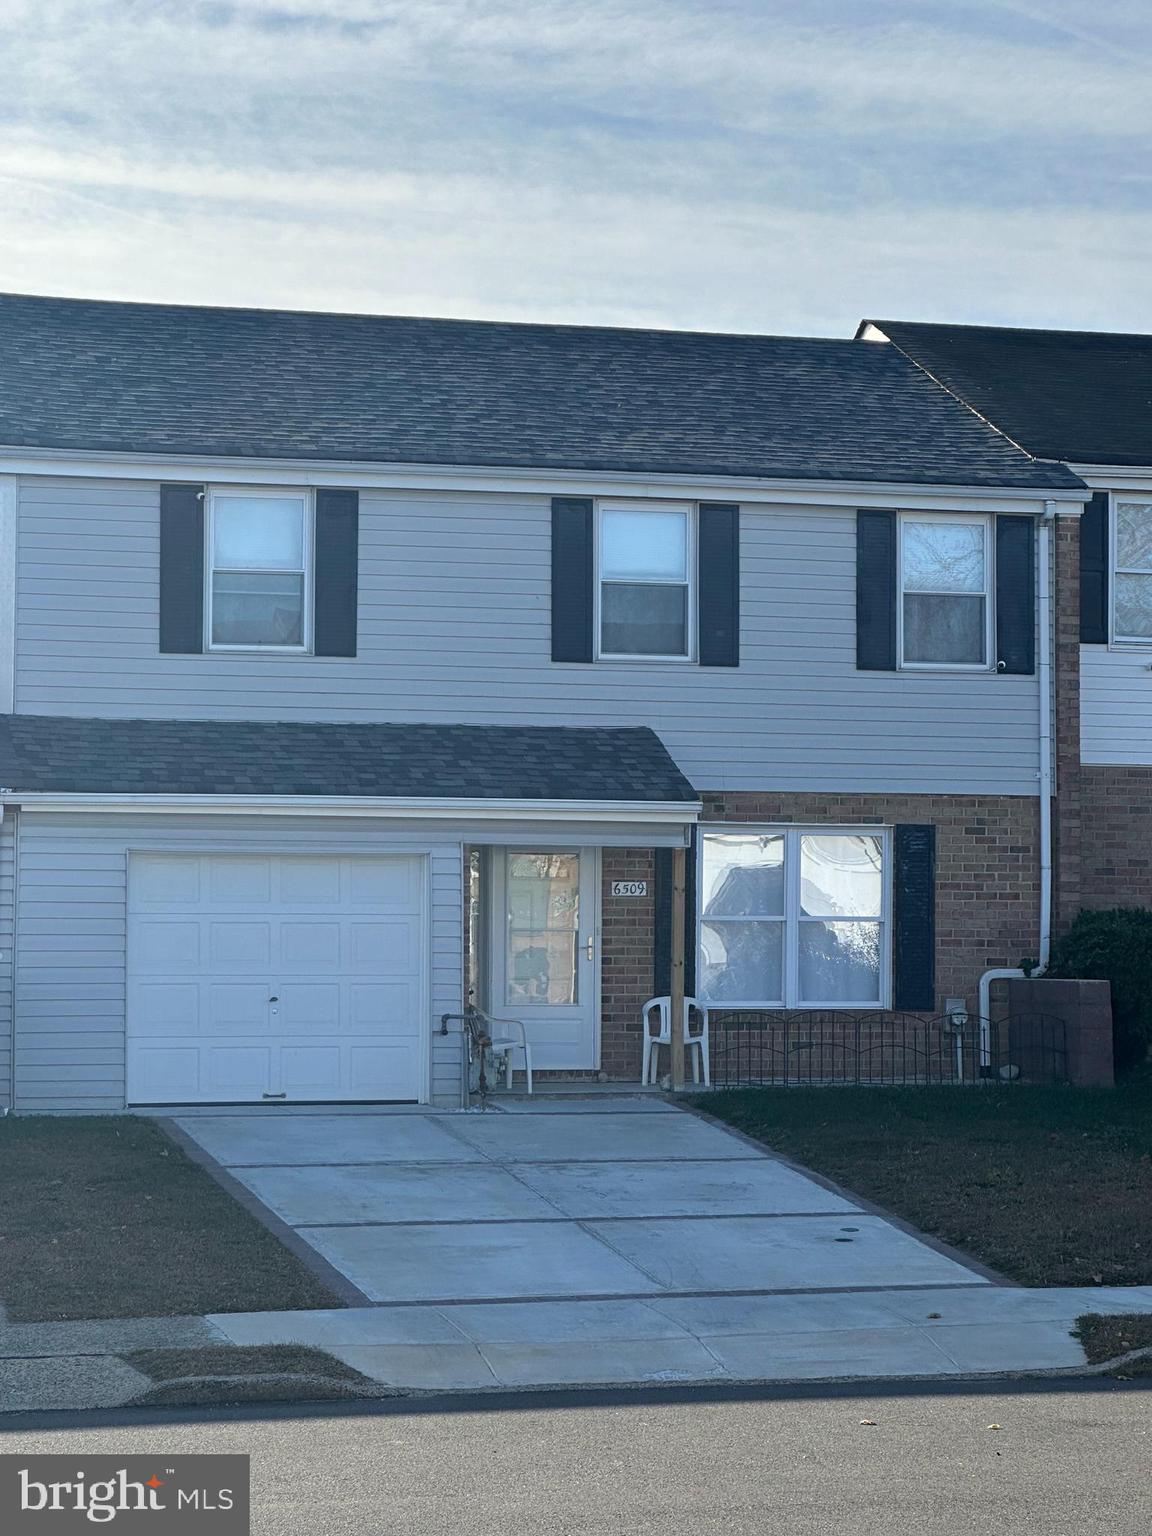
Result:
[{"x": 676, "y": 989}]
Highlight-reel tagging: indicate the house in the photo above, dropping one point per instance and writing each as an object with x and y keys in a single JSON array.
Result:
[
  {"x": 1084, "y": 399},
  {"x": 353, "y": 666}
]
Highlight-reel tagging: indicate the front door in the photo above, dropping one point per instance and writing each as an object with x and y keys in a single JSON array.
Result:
[{"x": 543, "y": 951}]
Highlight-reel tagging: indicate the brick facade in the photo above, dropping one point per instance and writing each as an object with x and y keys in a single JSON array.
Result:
[
  {"x": 626, "y": 959},
  {"x": 1117, "y": 856},
  {"x": 987, "y": 893},
  {"x": 1070, "y": 837},
  {"x": 1103, "y": 823}
]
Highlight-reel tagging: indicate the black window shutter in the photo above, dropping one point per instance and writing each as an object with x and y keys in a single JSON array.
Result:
[
  {"x": 337, "y": 566},
  {"x": 1094, "y": 571},
  {"x": 662, "y": 923},
  {"x": 572, "y": 578},
  {"x": 690, "y": 918},
  {"x": 876, "y": 594},
  {"x": 1015, "y": 594},
  {"x": 718, "y": 584},
  {"x": 182, "y": 568},
  {"x": 914, "y": 901}
]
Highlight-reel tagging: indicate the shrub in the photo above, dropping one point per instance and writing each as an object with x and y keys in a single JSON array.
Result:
[{"x": 1114, "y": 946}]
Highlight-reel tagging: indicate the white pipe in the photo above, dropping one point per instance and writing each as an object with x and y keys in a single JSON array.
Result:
[{"x": 1044, "y": 668}]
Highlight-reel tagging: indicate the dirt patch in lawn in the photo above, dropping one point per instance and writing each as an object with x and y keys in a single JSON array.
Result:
[
  {"x": 103, "y": 1216},
  {"x": 1107, "y": 1338},
  {"x": 1050, "y": 1186},
  {"x": 258, "y": 1373}
]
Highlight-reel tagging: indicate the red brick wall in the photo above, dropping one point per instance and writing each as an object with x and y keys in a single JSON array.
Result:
[
  {"x": 1117, "y": 852},
  {"x": 626, "y": 960},
  {"x": 987, "y": 893}
]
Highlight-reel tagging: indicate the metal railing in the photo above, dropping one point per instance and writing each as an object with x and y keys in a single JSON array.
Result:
[{"x": 829, "y": 1047}]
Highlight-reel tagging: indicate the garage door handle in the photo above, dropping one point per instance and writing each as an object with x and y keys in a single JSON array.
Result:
[
  {"x": 273, "y": 1095},
  {"x": 273, "y": 999}
]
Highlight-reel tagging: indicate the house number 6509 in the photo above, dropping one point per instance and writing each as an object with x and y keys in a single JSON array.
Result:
[{"x": 629, "y": 887}]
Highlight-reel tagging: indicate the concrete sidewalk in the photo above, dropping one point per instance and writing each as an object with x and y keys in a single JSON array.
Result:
[{"x": 917, "y": 1334}]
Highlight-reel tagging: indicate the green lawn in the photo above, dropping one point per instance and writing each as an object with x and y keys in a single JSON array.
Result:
[
  {"x": 105, "y": 1217},
  {"x": 1050, "y": 1186}
]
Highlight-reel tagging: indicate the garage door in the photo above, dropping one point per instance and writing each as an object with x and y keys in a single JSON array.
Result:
[{"x": 256, "y": 978}]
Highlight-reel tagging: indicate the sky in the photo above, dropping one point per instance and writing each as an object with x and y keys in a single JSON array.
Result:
[{"x": 782, "y": 166}]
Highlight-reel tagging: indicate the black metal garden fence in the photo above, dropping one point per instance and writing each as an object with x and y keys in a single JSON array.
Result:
[{"x": 830, "y": 1047}]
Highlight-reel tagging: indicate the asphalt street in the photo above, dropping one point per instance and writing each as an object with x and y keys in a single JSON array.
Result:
[{"x": 1068, "y": 1458}]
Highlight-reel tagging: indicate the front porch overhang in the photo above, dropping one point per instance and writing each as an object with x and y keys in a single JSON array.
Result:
[{"x": 618, "y": 823}]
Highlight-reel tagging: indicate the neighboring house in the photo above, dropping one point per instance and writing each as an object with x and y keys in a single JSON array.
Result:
[
  {"x": 353, "y": 665},
  {"x": 1082, "y": 398}
]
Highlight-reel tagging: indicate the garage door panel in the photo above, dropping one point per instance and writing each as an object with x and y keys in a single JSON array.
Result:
[
  {"x": 377, "y": 1066},
  {"x": 239, "y": 1007},
  {"x": 395, "y": 1002},
  {"x": 311, "y": 883},
  {"x": 307, "y": 1007},
  {"x": 399, "y": 939},
  {"x": 167, "y": 1008},
  {"x": 310, "y": 946},
  {"x": 238, "y": 945},
  {"x": 238, "y": 881},
  {"x": 166, "y": 881},
  {"x": 166, "y": 945},
  {"x": 256, "y": 976},
  {"x": 312, "y": 1069},
  {"x": 384, "y": 886},
  {"x": 166, "y": 1074},
  {"x": 242, "y": 1068}
]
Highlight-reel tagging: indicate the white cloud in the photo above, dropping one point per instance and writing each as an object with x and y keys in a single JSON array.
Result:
[{"x": 749, "y": 164}]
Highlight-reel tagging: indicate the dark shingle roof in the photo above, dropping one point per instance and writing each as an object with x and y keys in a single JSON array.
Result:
[
  {"x": 1083, "y": 396},
  {"x": 173, "y": 379},
  {"x": 42, "y": 753}
]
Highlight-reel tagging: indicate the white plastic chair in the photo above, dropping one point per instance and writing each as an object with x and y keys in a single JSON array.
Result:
[
  {"x": 508, "y": 1036},
  {"x": 658, "y": 1010}
]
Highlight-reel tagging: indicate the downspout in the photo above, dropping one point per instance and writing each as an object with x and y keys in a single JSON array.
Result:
[
  {"x": 13, "y": 812},
  {"x": 1044, "y": 668}
]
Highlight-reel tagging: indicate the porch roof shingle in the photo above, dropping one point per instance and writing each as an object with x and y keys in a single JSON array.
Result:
[{"x": 60, "y": 755}]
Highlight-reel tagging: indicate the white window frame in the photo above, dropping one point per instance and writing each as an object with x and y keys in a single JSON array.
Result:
[
  {"x": 964, "y": 518},
  {"x": 791, "y": 918},
  {"x": 1123, "y": 642},
  {"x": 258, "y": 493},
  {"x": 689, "y": 511}
]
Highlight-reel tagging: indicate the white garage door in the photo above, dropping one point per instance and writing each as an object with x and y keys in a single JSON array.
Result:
[{"x": 255, "y": 978}]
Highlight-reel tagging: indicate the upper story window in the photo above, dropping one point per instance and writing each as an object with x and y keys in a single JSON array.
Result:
[
  {"x": 793, "y": 918},
  {"x": 945, "y": 609},
  {"x": 645, "y": 586},
  {"x": 1132, "y": 604},
  {"x": 258, "y": 580}
]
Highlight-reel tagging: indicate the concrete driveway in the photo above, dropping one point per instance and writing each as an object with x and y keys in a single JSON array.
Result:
[
  {"x": 613, "y": 1239},
  {"x": 556, "y": 1200}
]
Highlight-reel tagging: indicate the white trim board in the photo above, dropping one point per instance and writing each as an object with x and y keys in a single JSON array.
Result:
[
  {"x": 529, "y": 481},
  {"x": 684, "y": 814}
]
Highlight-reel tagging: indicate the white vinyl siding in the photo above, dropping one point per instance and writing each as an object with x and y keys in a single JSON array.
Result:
[
  {"x": 454, "y": 625},
  {"x": 72, "y": 942}
]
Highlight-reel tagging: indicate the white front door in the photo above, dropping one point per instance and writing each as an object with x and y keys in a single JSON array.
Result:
[
  {"x": 267, "y": 977},
  {"x": 545, "y": 932}
]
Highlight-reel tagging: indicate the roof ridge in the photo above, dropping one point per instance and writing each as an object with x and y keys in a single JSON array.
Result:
[
  {"x": 1008, "y": 330},
  {"x": 280, "y": 311}
]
